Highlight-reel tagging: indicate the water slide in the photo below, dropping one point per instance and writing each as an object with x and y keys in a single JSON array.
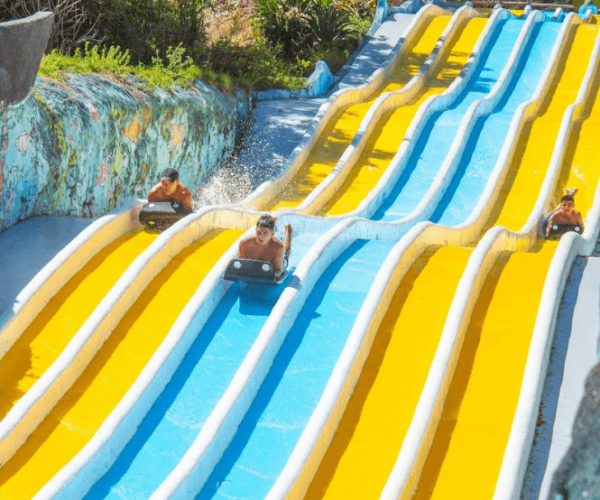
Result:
[
  {"x": 157, "y": 304},
  {"x": 222, "y": 336}
]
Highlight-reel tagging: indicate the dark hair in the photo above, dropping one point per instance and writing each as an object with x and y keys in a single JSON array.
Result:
[
  {"x": 266, "y": 221},
  {"x": 567, "y": 197},
  {"x": 169, "y": 174}
]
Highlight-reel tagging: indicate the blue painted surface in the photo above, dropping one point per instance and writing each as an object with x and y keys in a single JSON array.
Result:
[
  {"x": 179, "y": 413},
  {"x": 488, "y": 136},
  {"x": 287, "y": 398},
  {"x": 440, "y": 130}
]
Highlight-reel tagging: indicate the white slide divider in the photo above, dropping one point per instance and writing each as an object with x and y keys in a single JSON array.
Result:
[
  {"x": 384, "y": 103},
  {"x": 187, "y": 479},
  {"x": 478, "y": 108},
  {"x": 343, "y": 97},
  {"x": 54, "y": 275}
]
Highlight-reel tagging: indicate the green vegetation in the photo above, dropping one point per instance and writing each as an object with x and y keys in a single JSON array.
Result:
[{"x": 257, "y": 44}]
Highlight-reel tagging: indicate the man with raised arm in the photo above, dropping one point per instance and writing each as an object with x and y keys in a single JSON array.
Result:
[{"x": 263, "y": 245}]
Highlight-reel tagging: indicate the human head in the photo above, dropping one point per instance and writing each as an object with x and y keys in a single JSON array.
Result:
[
  {"x": 567, "y": 203},
  {"x": 265, "y": 228},
  {"x": 169, "y": 178}
]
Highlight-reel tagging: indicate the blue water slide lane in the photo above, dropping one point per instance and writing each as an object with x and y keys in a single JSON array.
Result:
[
  {"x": 489, "y": 134},
  {"x": 293, "y": 386},
  {"x": 440, "y": 130},
  {"x": 200, "y": 381}
]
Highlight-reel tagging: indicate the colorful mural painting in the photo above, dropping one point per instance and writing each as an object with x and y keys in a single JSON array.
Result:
[{"x": 87, "y": 145}]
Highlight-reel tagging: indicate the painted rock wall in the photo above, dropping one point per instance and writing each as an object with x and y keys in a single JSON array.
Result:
[{"x": 87, "y": 145}]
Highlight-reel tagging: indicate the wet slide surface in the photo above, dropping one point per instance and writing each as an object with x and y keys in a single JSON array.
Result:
[
  {"x": 389, "y": 132},
  {"x": 483, "y": 395},
  {"x": 440, "y": 131},
  {"x": 73, "y": 421},
  {"x": 488, "y": 136},
  {"x": 371, "y": 433},
  {"x": 366, "y": 444},
  {"x": 49, "y": 333},
  {"x": 482, "y": 399},
  {"x": 530, "y": 163},
  {"x": 339, "y": 132},
  {"x": 178, "y": 415},
  {"x": 289, "y": 394}
]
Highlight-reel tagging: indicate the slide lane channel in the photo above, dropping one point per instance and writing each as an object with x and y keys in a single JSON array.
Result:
[
  {"x": 338, "y": 133},
  {"x": 481, "y": 401},
  {"x": 79, "y": 413},
  {"x": 382, "y": 405},
  {"x": 181, "y": 410},
  {"x": 383, "y": 143},
  {"x": 52, "y": 329},
  {"x": 265, "y": 427},
  {"x": 436, "y": 140}
]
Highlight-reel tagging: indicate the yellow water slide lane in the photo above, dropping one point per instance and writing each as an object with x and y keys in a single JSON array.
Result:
[
  {"x": 338, "y": 134},
  {"x": 385, "y": 140},
  {"x": 366, "y": 444},
  {"x": 468, "y": 448},
  {"x": 78, "y": 415},
  {"x": 534, "y": 150},
  {"x": 48, "y": 334},
  {"x": 368, "y": 440}
]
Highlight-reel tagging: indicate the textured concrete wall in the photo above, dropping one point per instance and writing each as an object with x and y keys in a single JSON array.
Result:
[
  {"x": 22, "y": 45},
  {"x": 84, "y": 146}
]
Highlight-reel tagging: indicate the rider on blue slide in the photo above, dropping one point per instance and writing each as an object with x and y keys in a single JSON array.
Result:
[{"x": 264, "y": 246}]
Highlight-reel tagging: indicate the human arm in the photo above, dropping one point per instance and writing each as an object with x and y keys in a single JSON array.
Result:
[
  {"x": 155, "y": 193},
  {"x": 287, "y": 239},
  {"x": 186, "y": 199}
]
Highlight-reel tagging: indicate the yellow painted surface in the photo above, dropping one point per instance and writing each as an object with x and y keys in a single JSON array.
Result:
[
  {"x": 78, "y": 415},
  {"x": 49, "y": 333},
  {"x": 583, "y": 155},
  {"x": 466, "y": 455},
  {"x": 338, "y": 134},
  {"x": 366, "y": 444},
  {"x": 534, "y": 151},
  {"x": 389, "y": 133}
]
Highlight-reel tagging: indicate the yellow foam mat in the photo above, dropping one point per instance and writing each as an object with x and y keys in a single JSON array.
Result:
[
  {"x": 338, "y": 133},
  {"x": 534, "y": 150},
  {"x": 389, "y": 133},
  {"x": 42, "y": 342},
  {"x": 78, "y": 415},
  {"x": 366, "y": 444}
]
